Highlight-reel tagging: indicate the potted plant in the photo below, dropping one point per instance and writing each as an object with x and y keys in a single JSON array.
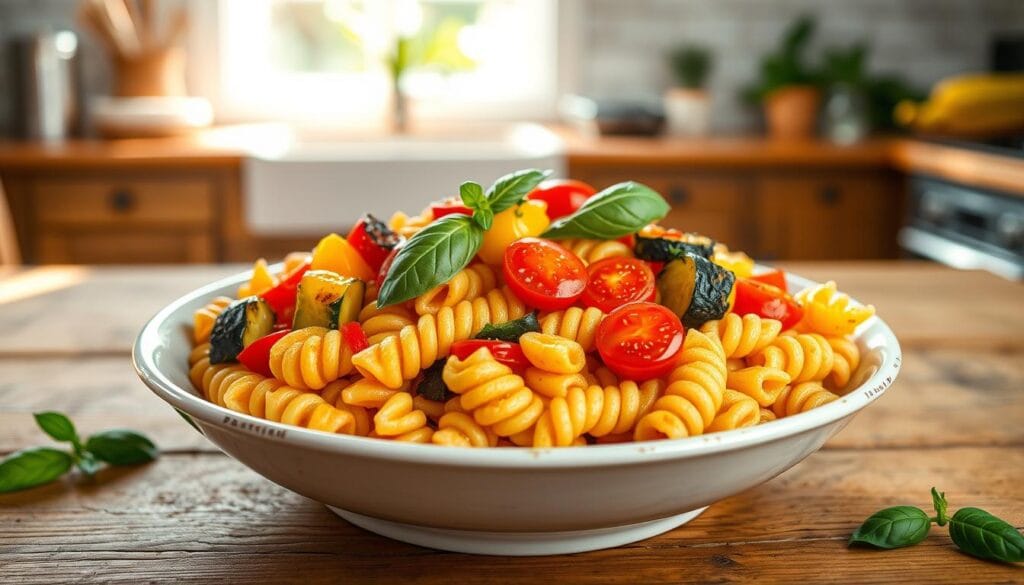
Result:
[
  {"x": 788, "y": 87},
  {"x": 687, "y": 106}
]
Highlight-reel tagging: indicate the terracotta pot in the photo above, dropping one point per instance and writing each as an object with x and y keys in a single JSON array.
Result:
[
  {"x": 687, "y": 111},
  {"x": 159, "y": 72},
  {"x": 792, "y": 112}
]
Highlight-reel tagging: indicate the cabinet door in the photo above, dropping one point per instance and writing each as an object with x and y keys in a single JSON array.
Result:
[
  {"x": 824, "y": 217},
  {"x": 715, "y": 205}
]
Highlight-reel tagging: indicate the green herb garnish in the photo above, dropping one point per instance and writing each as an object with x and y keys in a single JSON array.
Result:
[
  {"x": 617, "y": 211},
  {"x": 510, "y": 330},
  {"x": 40, "y": 465},
  {"x": 432, "y": 386},
  {"x": 439, "y": 251},
  {"x": 974, "y": 531}
]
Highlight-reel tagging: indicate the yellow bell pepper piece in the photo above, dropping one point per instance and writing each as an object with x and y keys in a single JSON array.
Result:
[
  {"x": 334, "y": 253},
  {"x": 527, "y": 219}
]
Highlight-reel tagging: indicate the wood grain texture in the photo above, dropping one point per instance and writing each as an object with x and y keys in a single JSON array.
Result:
[{"x": 1002, "y": 173}]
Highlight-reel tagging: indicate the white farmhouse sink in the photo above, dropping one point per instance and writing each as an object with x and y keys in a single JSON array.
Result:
[{"x": 302, "y": 183}]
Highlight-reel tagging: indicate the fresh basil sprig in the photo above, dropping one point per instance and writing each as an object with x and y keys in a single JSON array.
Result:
[
  {"x": 40, "y": 465},
  {"x": 439, "y": 251},
  {"x": 974, "y": 531},
  {"x": 617, "y": 211}
]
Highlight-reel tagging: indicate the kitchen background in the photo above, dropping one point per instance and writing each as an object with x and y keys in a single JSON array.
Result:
[{"x": 575, "y": 68}]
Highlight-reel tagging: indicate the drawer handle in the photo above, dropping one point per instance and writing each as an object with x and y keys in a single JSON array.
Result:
[
  {"x": 678, "y": 195},
  {"x": 122, "y": 200},
  {"x": 829, "y": 195}
]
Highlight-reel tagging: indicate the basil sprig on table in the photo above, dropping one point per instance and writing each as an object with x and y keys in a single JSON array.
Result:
[
  {"x": 974, "y": 531},
  {"x": 40, "y": 465},
  {"x": 617, "y": 211},
  {"x": 439, "y": 251}
]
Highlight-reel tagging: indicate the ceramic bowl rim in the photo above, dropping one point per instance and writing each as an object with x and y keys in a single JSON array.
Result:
[{"x": 187, "y": 401}]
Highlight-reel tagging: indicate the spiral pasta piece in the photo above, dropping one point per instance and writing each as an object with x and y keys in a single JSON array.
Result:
[
  {"x": 847, "y": 359},
  {"x": 694, "y": 393},
  {"x": 204, "y": 318},
  {"x": 579, "y": 325},
  {"x": 310, "y": 358},
  {"x": 495, "y": 396},
  {"x": 399, "y": 419},
  {"x": 590, "y": 251},
  {"x": 742, "y": 336},
  {"x": 368, "y": 393},
  {"x": 332, "y": 394},
  {"x": 829, "y": 312},
  {"x": 553, "y": 353},
  {"x": 469, "y": 283},
  {"x": 767, "y": 416},
  {"x": 380, "y": 323},
  {"x": 801, "y": 398},
  {"x": 458, "y": 429},
  {"x": 397, "y": 359},
  {"x": 759, "y": 383},
  {"x": 738, "y": 410},
  {"x": 599, "y": 412},
  {"x": 407, "y": 226},
  {"x": 804, "y": 356}
]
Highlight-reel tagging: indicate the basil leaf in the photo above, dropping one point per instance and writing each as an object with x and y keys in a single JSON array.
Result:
[
  {"x": 472, "y": 195},
  {"x": 431, "y": 257},
  {"x": 982, "y": 535},
  {"x": 58, "y": 426},
  {"x": 512, "y": 188},
  {"x": 940, "y": 504},
  {"x": 617, "y": 211},
  {"x": 510, "y": 330},
  {"x": 120, "y": 447},
  {"x": 432, "y": 386},
  {"x": 32, "y": 467},
  {"x": 893, "y": 528}
]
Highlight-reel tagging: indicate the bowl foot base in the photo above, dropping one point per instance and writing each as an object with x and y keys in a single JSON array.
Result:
[{"x": 517, "y": 543}]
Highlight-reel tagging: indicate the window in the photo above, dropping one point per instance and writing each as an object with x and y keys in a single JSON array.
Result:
[{"x": 329, "y": 61}]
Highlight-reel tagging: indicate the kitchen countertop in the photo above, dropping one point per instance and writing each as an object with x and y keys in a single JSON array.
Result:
[{"x": 952, "y": 420}]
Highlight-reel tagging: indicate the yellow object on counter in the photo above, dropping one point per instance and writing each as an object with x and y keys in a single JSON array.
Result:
[{"x": 968, "y": 105}]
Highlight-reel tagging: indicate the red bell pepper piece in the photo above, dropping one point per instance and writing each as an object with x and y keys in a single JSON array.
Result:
[
  {"x": 256, "y": 356},
  {"x": 354, "y": 337},
  {"x": 448, "y": 207},
  {"x": 282, "y": 297},
  {"x": 373, "y": 240}
]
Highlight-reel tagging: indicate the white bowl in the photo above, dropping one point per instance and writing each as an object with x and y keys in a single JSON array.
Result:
[{"x": 505, "y": 501}]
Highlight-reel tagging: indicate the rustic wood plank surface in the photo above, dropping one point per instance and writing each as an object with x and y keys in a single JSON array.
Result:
[{"x": 954, "y": 419}]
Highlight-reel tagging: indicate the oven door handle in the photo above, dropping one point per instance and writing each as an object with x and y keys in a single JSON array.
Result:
[{"x": 957, "y": 255}]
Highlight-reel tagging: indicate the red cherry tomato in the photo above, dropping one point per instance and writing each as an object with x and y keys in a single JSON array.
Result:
[
  {"x": 354, "y": 337},
  {"x": 448, "y": 207},
  {"x": 508, "y": 353},
  {"x": 640, "y": 341},
  {"x": 655, "y": 266},
  {"x": 256, "y": 356},
  {"x": 282, "y": 297},
  {"x": 563, "y": 196},
  {"x": 768, "y": 301},
  {"x": 373, "y": 240},
  {"x": 383, "y": 272},
  {"x": 775, "y": 277},
  {"x": 614, "y": 282},
  {"x": 543, "y": 274}
]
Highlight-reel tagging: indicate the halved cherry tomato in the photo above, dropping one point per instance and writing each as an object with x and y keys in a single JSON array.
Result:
[
  {"x": 354, "y": 337},
  {"x": 508, "y": 353},
  {"x": 373, "y": 240},
  {"x": 563, "y": 196},
  {"x": 768, "y": 301},
  {"x": 282, "y": 297},
  {"x": 256, "y": 356},
  {"x": 449, "y": 206},
  {"x": 614, "y": 282},
  {"x": 774, "y": 277},
  {"x": 640, "y": 341},
  {"x": 543, "y": 274}
]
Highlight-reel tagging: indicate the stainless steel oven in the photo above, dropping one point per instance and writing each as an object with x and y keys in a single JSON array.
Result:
[{"x": 965, "y": 227}]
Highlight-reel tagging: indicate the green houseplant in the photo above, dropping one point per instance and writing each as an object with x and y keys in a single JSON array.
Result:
[{"x": 687, "y": 105}]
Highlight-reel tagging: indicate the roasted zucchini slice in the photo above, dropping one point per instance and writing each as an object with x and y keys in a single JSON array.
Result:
[
  {"x": 327, "y": 299},
  {"x": 658, "y": 244},
  {"x": 243, "y": 322},
  {"x": 696, "y": 289}
]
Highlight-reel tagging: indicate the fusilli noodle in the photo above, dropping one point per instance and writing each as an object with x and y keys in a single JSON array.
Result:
[
  {"x": 204, "y": 318},
  {"x": 829, "y": 312},
  {"x": 310, "y": 358},
  {"x": 469, "y": 283},
  {"x": 495, "y": 396},
  {"x": 590, "y": 251},
  {"x": 804, "y": 356},
  {"x": 574, "y": 323},
  {"x": 801, "y": 398},
  {"x": 380, "y": 323},
  {"x": 597, "y": 411},
  {"x": 738, "y": 410},
  {"x": 742, "y": 336},
  {"x": 761, "y": 383}
]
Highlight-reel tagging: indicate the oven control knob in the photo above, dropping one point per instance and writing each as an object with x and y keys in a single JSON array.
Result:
[{"x": 1010, "y": 229}]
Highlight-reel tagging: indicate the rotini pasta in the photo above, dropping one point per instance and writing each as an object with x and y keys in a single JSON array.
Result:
[
  {"x": 471, "y": 282},
  {"x": 737, "y": 411},
  {"x": 553, "y": 353},
  {"x": 397, "y": 418},
  {"x": 846, "y": 361},
  {"x": 804, "y": 356},
  {"x": 742, "y": 336},
  {"x": 380, "y": 323},
  {"x": 574, "y": 323},
  {"x": 801, "y": 398},
  {"x": 495, "y": 396},
  {"x": 396, "y": 359},
  {"x": 597, "y": 411},
  {"x": 694, "y": 393},
  {"x": 204, "y": 318},
  {"x": 761, "y": 383},
  {"x": 310, "y": 358},
  {"x": 407, "y": 226},
  {"x": 829, "y": 312},
  {"x": 590, "y": 251}
]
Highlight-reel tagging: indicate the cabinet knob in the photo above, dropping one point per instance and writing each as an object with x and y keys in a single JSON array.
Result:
[
  {"x": 678, "y": 195},
  {"x": 122, "y": 200},
  {"x": 829, "y": 195}
]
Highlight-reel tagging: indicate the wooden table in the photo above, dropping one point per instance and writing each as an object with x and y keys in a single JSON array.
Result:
[{"x": 954, "y": 419}]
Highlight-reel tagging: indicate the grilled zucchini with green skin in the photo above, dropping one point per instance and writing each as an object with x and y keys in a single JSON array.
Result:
[
  {"x": 696, "y": 289},
  {"x": 658, "y": 244},
  {"x": 327, "y": 299},
  {"x": 243, "y": 322}
]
